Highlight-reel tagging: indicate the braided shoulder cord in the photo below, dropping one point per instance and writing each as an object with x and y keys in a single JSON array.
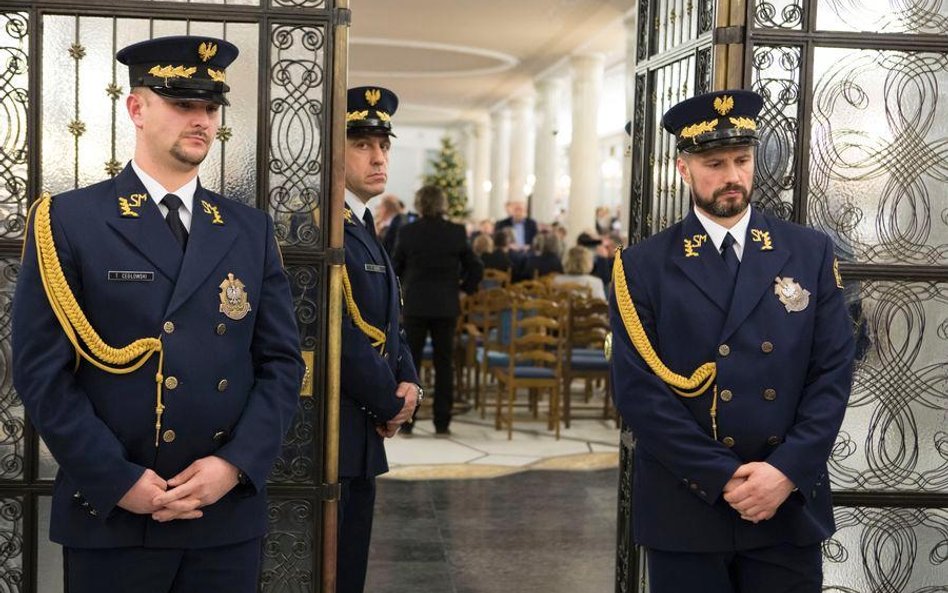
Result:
[
  {"x": 375, "y": 335},
  {"x": 83, "y": 337}
]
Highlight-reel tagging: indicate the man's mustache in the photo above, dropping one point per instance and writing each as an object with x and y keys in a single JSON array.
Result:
[{"x": 730, "y": 187}]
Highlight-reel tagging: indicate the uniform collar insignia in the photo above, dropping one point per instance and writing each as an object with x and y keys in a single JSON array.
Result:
[
  {"x": 347, "y": 214},
  {"x": 693, "y": 244},
  {"x": 128, "y": 207},
  {"x": 213, "y": 211},
  {"x": 762, "y": 237}
]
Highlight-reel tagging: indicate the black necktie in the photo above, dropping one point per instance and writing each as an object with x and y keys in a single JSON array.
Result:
[
  {"x": 370, "y": 224},
  {"x": 173, "y": 203},
  {"x": 729, "y": 256}
]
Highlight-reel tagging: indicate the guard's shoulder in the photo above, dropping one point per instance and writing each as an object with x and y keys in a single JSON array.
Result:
[
  {"x": 103, "y": 191},
  {"x": 655, "y": 246}
]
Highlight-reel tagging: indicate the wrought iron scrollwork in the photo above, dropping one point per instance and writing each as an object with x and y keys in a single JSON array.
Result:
[
  {"x": 14, "y": 81},
  {"x": 296, "y": 123},
  {"x": 880, "y": 154},
  {"x": 780, "y": 14},
  {"x": 777, "y": 79},
  {"x": 11, "y": 545},
  {"x": 12, "y": 422},
  {"x": 289, "y": 548},
  {"x": 894, "y": 437}
]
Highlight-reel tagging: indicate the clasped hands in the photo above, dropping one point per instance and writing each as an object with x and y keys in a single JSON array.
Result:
[
  {"x": 202, "y": 483},
  {"x": 756, "y": 490},
  {"x": 409, "y": 393}
]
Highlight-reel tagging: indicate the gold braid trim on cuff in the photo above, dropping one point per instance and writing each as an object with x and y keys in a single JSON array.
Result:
[
  {"x": 375, "y": 335},
  {"x": 83, "y": 337},
  {"x": 692, "y": 386}
]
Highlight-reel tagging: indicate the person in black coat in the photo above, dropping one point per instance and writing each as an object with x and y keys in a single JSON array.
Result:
[
  {"x": 545, "y": 259},
  {"x": 524, "y": 228},
  {"x": 434, "y": 261},
  {"x": 499, "y": 257}
]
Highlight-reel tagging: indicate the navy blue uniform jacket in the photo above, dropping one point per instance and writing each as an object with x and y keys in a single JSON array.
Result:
[
  {"x": 789, "y": 374},
  {"x": 238, "y": 381},
  {"x": 369, "y": 378}
]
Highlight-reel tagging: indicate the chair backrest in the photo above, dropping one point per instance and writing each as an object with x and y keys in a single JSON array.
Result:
[
  {"x": 588, "y": 323},
  {"x": 489, "y": 312},
  {"x": 494, "y": 278},
  {"x": 571, "y": 290},
  {"x": 530, "y": 289},
  {"x": 538, "y": 328}
]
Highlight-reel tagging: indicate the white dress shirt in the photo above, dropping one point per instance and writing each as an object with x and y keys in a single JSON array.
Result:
[
  {"x": 717, "y": 232},
  {"x": 158, "y": 192}
]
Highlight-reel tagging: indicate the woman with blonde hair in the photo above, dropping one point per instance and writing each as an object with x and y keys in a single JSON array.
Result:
[{"x": 576, "y": 270}]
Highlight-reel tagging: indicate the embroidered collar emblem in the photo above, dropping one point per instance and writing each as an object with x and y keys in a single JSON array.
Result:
[
  {"x": 128, "y": 207},
  {"x": 693, "y": 244},
  {"x": 213, "y": 211},
  {"x": 759, "y": 236}
]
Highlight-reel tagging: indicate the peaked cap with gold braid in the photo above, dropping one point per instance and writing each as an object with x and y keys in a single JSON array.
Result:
[
  {"x": 83, "y": 337},
  {"x": 699, "y": 381}
]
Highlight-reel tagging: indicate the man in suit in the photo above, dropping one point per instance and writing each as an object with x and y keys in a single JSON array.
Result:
[
  {"x": 390, "y": 216},
  {"x": 524, "y": 228},
  {"x": 164, "y": 445},
  {"x": 435, "y": 262},
  {"x": 379, "y": 385},
  {"x": 731, "y": 487}
]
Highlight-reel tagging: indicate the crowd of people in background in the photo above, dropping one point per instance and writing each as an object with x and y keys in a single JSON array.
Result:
[{"x": 524, "y": 247}]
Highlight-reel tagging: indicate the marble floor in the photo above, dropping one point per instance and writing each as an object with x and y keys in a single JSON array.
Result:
[{"x": 478, "y": 513}]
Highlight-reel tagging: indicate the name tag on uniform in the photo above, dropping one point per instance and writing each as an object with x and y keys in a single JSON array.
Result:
[
  {"x": 131, "y": 276},
  {"x": 375, "y": 268}
]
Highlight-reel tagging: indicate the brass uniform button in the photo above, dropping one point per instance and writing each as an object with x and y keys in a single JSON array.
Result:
[
  {"x": 168, "y": 327},
  {"x": 767, "y": 347},
  {"x": 221, "y": 329},
  {"x": 770, "y": 394},
  {"x": 222, "y": 385},
  {"x": 728, "y": 441},
  {"x": 171, "y": 382},
  {"x": 724, "y": 349},
  {"x": 168, "y": 436},
  {"x": 726, "y": 395},
  {"x": 773, "y": 441}
]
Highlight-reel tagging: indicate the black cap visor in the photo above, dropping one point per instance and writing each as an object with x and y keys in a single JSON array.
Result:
[{"x": 719, "y": 139}]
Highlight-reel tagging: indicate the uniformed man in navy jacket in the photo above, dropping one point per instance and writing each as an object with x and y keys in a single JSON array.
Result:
[
  {"x": 378, "y": 381},
  {"x": 732, "y": 364},
  {"x": 156, "y": 351}
]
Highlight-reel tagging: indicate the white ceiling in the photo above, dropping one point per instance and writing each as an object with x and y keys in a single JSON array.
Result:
[{"x": 451, "y": 60}]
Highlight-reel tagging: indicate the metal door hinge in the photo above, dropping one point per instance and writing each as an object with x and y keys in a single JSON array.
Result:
[
  {"x": 341, "y": 17},
  {"x": 728, "y": 35}
]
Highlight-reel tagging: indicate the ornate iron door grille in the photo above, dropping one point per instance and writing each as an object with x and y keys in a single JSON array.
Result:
[
  {"x": 64, "y": 126},
  {"x": 854, "y": 143}
]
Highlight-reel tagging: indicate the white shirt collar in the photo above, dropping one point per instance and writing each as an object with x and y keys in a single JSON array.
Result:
[
  {"x": 717, "y": 232},
  {"x": 158, "y": 191},
  {"x": 356, "y": 205}
]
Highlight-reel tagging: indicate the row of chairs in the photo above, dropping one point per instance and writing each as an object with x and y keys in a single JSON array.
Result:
[{"x": 535, "y": 336}]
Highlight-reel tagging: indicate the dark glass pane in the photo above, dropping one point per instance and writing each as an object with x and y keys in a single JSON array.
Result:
[
  {"x": 14, "y": 86},
  {"x": 777, "y": 78},
  {"x": 288, "y": 552},
  {"x": 883, "y": 16},
  {"x": 780, "y": 14},
  {"x": 894, "y": 550},
  {"x": 295, "y": 160},
  {"x": 878, "y": 163},
  {"x": 12, "y": 419},
  {"x": 893, "y": 436}
]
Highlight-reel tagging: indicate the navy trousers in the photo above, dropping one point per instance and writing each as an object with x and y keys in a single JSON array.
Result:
[
  {"x": 356, "y": 506},
  {"x": 778, "y": 569},
  {"x": 234, "y": 569}
]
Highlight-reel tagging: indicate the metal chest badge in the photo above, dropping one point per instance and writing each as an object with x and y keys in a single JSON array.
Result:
[
  {"x": 234, "y": 298},
  {"x": 793, "y": 296}
]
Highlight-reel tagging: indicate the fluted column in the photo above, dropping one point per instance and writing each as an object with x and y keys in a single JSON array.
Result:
[
  {"x": 480, "y": 196},
  {"x": 521, "y": 145},
  {"x": 587, "y": 75},
  {"x": 500, "y": 163},
  {"x": 544, "y": 191}
]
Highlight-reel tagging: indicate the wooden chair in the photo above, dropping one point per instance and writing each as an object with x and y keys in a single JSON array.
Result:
[
  {"x": 535, "y": 359},
  {"x": 487, "y": 332},
  {"x": 495, "y": 279},
  {"x": 588, "y": 326}
]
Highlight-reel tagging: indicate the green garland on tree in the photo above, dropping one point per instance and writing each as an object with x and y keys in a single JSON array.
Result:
[{"x": 449, "y": 176}]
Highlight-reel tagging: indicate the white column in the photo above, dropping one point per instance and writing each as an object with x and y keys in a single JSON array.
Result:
[
  {"x": 544, "y": 190},
  {"x": 631, "y": 37},
  {"x": 500, "y": 163},
  {"x": 587, "y": 72},
  {"x": 480, "y": 198},
  {"x": 521, "y": 145},
  {"x": 469, "y": 154}
]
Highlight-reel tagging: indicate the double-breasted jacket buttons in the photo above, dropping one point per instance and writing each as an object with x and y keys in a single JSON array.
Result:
[
  {"x": 724, "y": 349},
  {"x": 221, "y": 329},
  {"x": 168, "y": 436},
  {"x": 767, "y": 347},
  {"x": 222, "y": 385},
  {"x": 728, "y": 441},
  {"x": 773, "y": 441},
  {"x": 726, "y": 395},
  {"x": 168, "y": 327},
  {"x": 171, "y": 382},
  {"x": 770, "y": 394}
]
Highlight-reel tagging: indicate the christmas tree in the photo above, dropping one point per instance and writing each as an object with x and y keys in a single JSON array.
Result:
[{"x": 449, "y": 176}]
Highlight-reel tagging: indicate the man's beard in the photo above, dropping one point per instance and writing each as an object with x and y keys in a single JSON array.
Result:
[
  {"x": 722, "y": 208},
  {"x": 187, "y": 158}
]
